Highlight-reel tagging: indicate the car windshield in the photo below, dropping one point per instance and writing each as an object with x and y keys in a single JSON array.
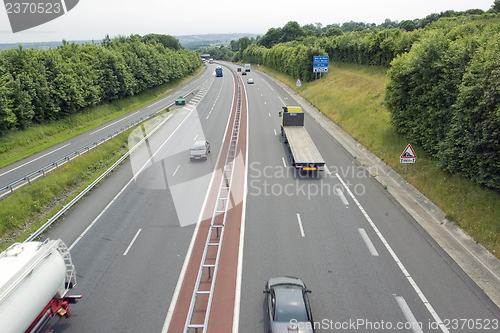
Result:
[
  {"x": 289, "y": 304},
  {"x": 198, "y": 146}
]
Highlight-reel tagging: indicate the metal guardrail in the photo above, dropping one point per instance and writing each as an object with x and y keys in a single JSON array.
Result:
[
  {"x": 41, "y": 172},
  {"x": 49, "y": 222}
]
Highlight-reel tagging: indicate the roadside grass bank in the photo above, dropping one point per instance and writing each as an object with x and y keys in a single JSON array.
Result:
[
  {"x": 16, "y": 145},
  {"x": 353, "y": 97},
  {"x": 30, "y": 207}
]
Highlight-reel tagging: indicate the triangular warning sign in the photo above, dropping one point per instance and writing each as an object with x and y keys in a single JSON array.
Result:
[{"x": 408, "y": 153}]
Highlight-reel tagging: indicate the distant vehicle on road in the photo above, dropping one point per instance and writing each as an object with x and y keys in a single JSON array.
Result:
[
  {"x": 210, "y": 61},
  {"x": 247, "y": 67},
  {"x": 218, "y": 71},
  {"x": 288, "y": 306},
  {"x": 238, "y": 69},
  {"x": 200, "y": 150},
  {"x": 243, "y": 73},
  {"x": 250, "y": 81}
]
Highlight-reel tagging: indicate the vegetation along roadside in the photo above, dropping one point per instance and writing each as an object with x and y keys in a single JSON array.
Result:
[{"x": 30, "y": 207}]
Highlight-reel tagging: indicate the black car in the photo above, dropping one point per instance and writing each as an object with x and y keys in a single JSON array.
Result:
[
  {"x": 288, "y": 306},
  {"x": 243, "y": 73}
]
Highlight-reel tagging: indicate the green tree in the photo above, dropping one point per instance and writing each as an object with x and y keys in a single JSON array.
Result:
[
  {"x": 408, "y": 25},
  {"x": 292, "y": 31},
  {"x": 495, "y": 8},
  {"x": 333, "y": 31},
  {"x": 243, "y": 43}
]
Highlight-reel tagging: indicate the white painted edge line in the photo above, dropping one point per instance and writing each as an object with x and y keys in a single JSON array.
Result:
[
  {"x": 268, "y": 84},
  {"x": 326, "y": 170},
  {"x": 132, "y": 242},
  {"x": 182, "y": 274},
  {"x": 239, "y": 271},
  {"x": 176, "y": 170},
  {"x": 300, "y": 225},
  {"x": 342, "y": 196},
  {"x": 424, "y": 300},
  {"x": 34, "y": 160},
  {"x": 116, "y": 122},
  {"x": 161, "y": 100},
  {"x": 282, "y": 101},
  {"x": 368, "y": 242},
  {"x": 283, "y": 159},
  {"x": 100, "y": 214},
  {"x": 410, "y": 318}
]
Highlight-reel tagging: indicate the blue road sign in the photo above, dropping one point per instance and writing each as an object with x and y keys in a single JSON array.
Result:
[{"x": 320, "y": 64}]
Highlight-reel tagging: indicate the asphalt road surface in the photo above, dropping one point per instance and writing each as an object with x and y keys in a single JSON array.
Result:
[{"x": 370, "y": 266}]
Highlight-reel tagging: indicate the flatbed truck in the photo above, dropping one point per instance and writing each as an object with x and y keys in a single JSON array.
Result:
[{"x": 303, "y": 152}]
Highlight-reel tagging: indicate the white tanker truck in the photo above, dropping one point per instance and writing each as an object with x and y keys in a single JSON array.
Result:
[{"x": 34, "y": 280}]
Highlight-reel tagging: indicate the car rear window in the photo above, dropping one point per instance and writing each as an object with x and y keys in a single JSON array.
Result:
[{"x": 289, "y": 304}]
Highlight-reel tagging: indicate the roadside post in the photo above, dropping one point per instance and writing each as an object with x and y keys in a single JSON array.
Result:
[
  {"x": 408, "y": 156},
  {"x": 298, "y": 84}
]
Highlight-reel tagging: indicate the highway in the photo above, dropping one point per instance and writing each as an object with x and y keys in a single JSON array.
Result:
[
  {"x": 129, "y": 260},
  {"x": 369, "y": 264}
]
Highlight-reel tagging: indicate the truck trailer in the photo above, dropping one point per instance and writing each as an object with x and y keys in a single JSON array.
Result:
[
  {"x": 247, "y": 67},
  {"x": 35, "y": 278},
  {"x": 303, "y": 152}
]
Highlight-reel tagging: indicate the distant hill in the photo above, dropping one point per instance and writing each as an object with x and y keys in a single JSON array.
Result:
[
  {"x": 194, "y": 42},
  {"x": 43, "y": 45},
  {"x": 191, "y": 42}
]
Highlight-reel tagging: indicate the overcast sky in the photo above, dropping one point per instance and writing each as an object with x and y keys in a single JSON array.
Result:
[{"x": 93, "y": 19}]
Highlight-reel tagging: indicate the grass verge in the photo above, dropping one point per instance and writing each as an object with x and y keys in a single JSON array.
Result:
[
  {"x": 30, "y": 207},
  {"x": 352, "y": 96},
  {"x": 16, "y": 145}
]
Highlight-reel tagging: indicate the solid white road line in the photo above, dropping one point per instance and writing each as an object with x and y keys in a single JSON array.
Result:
[
  {"x": 34, "y": 160},
  {"x": 342, "y": 196},
  {"x": 268, "y": 85},
  {"x": 283, "y": 159},
  {"x": 195, "y": 137},
  {"x": 327, "y": 171},
  {"x": 132, "y": 242},
  {"x": 368, "y": 242},
  {"x": 176, "y": 170},
  {"x": 239, "y": 272},
  {"x": 419, "y": 292},
  {"x": 410, "y": 318},
  {"x": 300, "y": 225},
  {"x": 113, "y": 123},
  {"x": 282, "y": 101},
  {"x": 161, "y": 100}
]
